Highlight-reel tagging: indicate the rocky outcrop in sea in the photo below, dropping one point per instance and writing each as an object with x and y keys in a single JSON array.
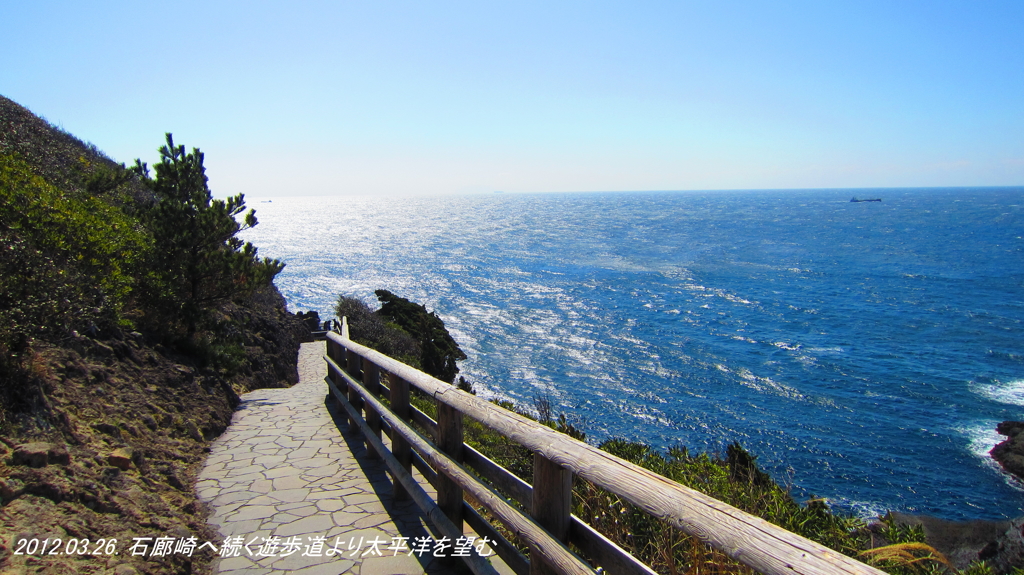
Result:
[{"x": 1010, "y": 453}]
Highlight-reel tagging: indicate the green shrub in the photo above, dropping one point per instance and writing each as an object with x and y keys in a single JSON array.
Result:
[
  {"x": 405, "y": 331},
  {"x": 69, "y": 259},
  {"x": 368, "y": 328}
]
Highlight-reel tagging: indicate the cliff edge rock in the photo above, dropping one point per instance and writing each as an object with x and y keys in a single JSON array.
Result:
[{"x": 1010, "y": 453}]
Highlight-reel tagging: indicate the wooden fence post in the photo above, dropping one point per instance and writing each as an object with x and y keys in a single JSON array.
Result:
[
  {"x": 331, "y": 353},
  {"x": 353, "y": 396},
  {"x": 371, "y": 381},
  {"x": 449, "y": 440},
  {"x": 337, "y": 354},
  {"x": 552, "y": 506},
  {"x": 399, "y": 446}
]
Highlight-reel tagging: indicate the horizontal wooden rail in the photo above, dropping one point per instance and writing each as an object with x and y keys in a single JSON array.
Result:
[
  {"x": 478, "y": 564},
  {"x": 508, "y": 552},
  {"x": 748, "y": 539},
  {"x": 603, "y": 551}
]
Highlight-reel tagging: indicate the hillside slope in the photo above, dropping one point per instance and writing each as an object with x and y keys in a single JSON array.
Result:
[{"x": 103, "y": 428}]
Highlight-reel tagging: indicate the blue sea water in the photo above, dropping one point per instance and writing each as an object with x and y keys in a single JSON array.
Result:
[{"x": 863, "y": 351}]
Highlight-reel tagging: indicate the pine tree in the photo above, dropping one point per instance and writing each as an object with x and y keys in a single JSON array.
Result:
[{"x": 199, "y": 260}]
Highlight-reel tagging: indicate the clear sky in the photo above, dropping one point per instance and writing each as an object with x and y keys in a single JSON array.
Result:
[{"x": 340, "y": 97}]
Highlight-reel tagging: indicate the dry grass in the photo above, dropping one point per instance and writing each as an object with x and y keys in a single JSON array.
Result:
[{"x": 914, "y": 557}]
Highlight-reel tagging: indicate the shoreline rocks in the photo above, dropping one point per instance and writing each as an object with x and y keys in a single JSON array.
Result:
[
  {"x": 1007, "y": 552},
  {"x": 964, "y": 542},
  {"x": 1010, "y": 453}
]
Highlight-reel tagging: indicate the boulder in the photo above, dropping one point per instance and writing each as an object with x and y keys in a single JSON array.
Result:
[
  {"x": 193, "y": 431},
  {"x": 1010, "y": 428},
  {"x": 1007, "y": 552},
  {"x": 121, "y": 458},
  {"x": 1010, "y": 453},
  {"x": 108, "y": 429},
  {"x": 40, "y": 454},
  {"x": 962, "y": 542}
]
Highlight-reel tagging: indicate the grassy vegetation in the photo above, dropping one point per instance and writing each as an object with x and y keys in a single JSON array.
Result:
[{"x": 69, "y": 258}]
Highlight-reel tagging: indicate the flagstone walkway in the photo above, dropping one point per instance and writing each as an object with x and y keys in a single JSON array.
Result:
[{"x": 289, "y": 492}]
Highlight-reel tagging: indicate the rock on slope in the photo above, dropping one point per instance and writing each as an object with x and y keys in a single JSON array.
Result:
[{"x": 115, "y": 452}]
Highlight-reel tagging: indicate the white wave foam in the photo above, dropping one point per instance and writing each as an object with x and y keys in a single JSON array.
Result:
[
  {"x": 808, "y": 360},
  {"x": 829, "y": 349},
  {"x": 787, "y": 346},
  {"x": 981, "y": 438},
  {"x": 867, "y": 511},
  {"x": 736, "y": 299},
  {"x": 768, "y": 385},
  {"x": 1009, "y": 392},
  {"x": 718, "y": 292}
]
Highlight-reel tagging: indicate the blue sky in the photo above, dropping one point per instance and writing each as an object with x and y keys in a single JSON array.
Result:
[{"x": 397, "y": 97}]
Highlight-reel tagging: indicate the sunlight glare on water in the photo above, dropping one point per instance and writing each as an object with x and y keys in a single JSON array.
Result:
[{"x": 865, "y": 348}]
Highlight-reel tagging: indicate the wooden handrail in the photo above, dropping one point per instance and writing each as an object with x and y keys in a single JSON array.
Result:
[
  {"x": 740, "y": 535},
  {"x": 551, "y": 548}
]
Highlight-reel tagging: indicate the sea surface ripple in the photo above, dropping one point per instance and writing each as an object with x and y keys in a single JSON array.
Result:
[{"x": 863, "y": 351}]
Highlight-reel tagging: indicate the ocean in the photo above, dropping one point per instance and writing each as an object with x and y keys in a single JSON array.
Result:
[{"x": 864, "y": 352}]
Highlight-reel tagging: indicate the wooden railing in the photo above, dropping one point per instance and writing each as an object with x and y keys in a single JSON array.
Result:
[{"x": 547, "y": 526}]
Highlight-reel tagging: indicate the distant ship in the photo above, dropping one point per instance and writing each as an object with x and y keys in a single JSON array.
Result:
[{"x": 854, "y": 199}]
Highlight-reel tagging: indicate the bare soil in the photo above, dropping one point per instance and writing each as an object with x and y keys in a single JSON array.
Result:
[{"x": 112, "y": 447}]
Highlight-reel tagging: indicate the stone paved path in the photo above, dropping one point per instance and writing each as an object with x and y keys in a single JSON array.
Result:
[{"x": 283, "y": 470}]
